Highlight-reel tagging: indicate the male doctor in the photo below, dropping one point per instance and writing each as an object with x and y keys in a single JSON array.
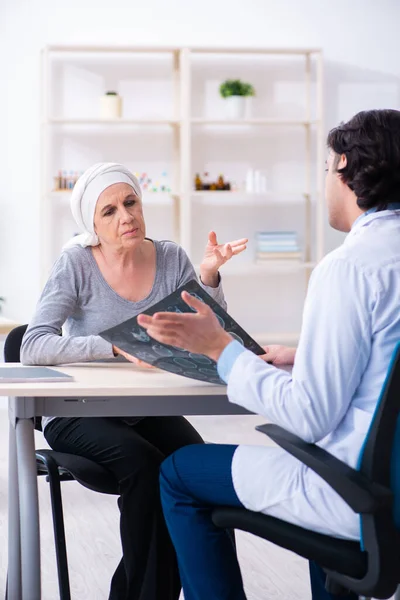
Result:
[{"x": 351, "y": 324}]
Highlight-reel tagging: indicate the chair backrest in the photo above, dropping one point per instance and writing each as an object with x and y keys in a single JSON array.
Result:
[
  {"x": 12, "y": 353},
  {"x": 380, "y": 456},
  {"x": 12, "y": 346},
  {"x": 380, "y": 461}
]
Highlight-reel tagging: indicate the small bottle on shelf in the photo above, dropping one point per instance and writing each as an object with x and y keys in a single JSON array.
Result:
[
  {"x": 206, "y": 181},
  {"x": 221, "y": 183},
  {"x": 70, "y": 180},
  {"x": 198, "y": 184},
  {"x": 58, "y": 181}
]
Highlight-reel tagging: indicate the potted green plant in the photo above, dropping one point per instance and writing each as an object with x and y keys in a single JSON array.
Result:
[
  {"x": 111, "y": 106},
  {"x": 235, "y": 92}
]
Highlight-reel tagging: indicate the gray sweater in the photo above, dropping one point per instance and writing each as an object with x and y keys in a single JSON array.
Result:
[{"x": 78, "y": 299}]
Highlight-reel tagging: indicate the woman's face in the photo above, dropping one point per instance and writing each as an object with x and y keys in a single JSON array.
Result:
[{"x": 118, "y": 218}]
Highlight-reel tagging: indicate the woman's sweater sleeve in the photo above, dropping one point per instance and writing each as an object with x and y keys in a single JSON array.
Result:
[{"x": 42, "y": 343}]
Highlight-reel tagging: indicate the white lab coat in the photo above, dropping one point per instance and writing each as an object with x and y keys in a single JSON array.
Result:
[{"x": 351, "y": 324}]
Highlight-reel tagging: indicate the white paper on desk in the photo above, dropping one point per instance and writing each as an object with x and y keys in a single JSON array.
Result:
[{"x": 29, "y": 374}]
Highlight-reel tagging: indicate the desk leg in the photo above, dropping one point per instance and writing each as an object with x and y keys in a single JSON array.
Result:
[
  {"x": 14, "y": 540},
  {"x": 29, "y": 510}
]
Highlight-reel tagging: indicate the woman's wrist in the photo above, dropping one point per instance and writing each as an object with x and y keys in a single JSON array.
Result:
[{"x": 209, "y": 279}]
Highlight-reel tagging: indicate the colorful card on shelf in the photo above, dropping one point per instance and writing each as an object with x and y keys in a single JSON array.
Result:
[{"x": 134, "y": 339}]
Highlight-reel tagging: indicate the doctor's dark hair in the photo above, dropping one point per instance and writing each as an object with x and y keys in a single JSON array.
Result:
[{"x": 371, "y": 143}]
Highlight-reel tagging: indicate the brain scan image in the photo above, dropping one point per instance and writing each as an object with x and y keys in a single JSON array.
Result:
[
  {"x": 208, "y": 370},
  {"x": 200, "y": 359},
  {"x": 169, "y": 366},
  {"x": 119, "y": 339},
  {"x": 134, "y": 339},
  {"x": 197, "y": 375},
  {"x": 185, "y": 363},
  {"x": 145, "y": 356},
  {"x": 161, "y": 350},
  {"x": 196, "y": 296},
  {"x": 174, "y": 309},
  {"x": 140, "y": 335},
  {"x": 221, "y": 321},
  {"x": 236, "y": 337}
]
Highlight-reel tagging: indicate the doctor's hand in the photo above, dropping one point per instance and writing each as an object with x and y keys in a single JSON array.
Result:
[
  {"x": 216, "y": 255},
  {"x": 132, "y": 359},
  {"x": 198, "y": 332},
  {"x": 279, "y": 355}
]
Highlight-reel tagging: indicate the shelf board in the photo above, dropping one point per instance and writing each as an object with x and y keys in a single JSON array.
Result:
[
  {"x": 114, "y": 122},
  {"x": 255, "y": 50},
  {"x": 177, "y": 122},
  {"x": 148, "y": 197},
  {"x": 194, "y": 50},
  {"x": 114, "y": 49},
  {"x": 228, "y": 197},
  {"x": 244, "y": 193},
  {"x": 281, "y": 265},
  {"x": 266, "y": 122},
  {"x": 209, "y": 194}
]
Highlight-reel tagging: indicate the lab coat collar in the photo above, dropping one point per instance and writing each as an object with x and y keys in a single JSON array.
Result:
[{"x": 366, "y": 219}]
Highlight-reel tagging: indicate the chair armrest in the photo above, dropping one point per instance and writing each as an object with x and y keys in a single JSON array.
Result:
[{"x": 361, "y": 494}]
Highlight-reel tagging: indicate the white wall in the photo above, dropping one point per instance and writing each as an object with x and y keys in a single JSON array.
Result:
[{"x": 361, "y": 49}]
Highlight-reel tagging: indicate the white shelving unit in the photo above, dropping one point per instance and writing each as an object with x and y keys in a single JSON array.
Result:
[{"x": 189, "y": 131}]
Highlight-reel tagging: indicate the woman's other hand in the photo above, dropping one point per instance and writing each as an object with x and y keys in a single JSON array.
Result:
[
  {"x": 216, "y": 255},
  {"x": 279, "y": 355},
  {"x": 132, "y": 359}
]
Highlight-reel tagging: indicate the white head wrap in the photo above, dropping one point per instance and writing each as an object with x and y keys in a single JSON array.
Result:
[{"x": 86, "y": 193}]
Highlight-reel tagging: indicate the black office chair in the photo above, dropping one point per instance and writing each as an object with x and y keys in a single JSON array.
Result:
[
  {"x": 371, "y": 568},
  {"x": 57, "y": 467}
]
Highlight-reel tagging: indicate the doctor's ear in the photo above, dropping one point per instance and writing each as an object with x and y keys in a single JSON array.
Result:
[{"x": 342, "y": 162}]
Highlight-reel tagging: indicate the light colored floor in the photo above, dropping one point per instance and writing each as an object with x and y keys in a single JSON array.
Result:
[{"x": 270, "y": 573}]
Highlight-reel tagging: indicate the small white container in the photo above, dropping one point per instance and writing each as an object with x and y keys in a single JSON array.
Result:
[
  {"x": 235, "y": 107},
  {"x": 250, "y": 181},
  {"x": 110, "y": 106}
]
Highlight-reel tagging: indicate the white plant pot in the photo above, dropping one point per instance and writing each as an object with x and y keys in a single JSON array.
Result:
[
  {"x": 110, "y": 107},
  {"x": 235, "y": 107}
]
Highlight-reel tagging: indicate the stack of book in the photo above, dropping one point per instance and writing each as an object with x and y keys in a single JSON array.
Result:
[{"x": 274, "y": 245}]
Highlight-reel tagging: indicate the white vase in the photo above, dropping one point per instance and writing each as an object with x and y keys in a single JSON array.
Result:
[
  {"x": 235, "y": 107},
  {"x": 110, "y": 106}
]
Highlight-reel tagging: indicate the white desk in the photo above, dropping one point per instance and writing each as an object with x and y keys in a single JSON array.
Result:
[{"x": 98, "y": 389}]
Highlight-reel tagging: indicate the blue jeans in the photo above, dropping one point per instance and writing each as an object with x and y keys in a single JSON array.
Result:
[{"x": 193, "y": 481}]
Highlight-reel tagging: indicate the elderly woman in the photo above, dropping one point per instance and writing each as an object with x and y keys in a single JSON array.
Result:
[{"x": 106, "y": 275}]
